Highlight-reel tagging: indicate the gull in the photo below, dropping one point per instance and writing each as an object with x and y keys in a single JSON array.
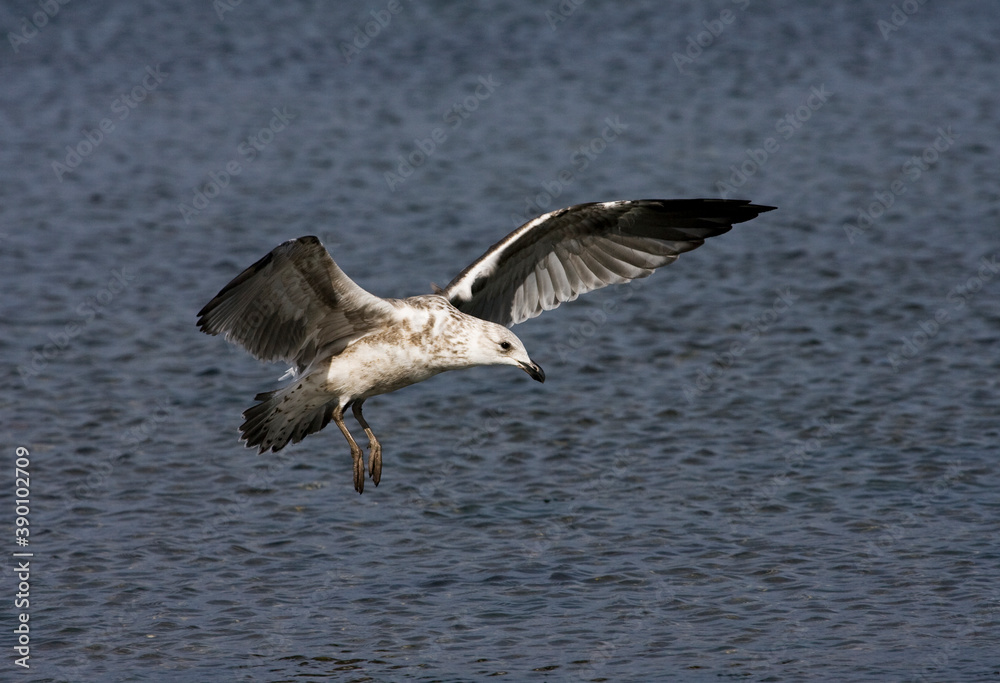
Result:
[{"x": 347, "y": 345}]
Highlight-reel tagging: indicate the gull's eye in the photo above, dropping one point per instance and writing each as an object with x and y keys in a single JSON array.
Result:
[{"x": 505, "y": 345}]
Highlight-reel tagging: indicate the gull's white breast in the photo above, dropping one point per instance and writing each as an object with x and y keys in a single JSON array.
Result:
[{"x": 420, "y": 344}]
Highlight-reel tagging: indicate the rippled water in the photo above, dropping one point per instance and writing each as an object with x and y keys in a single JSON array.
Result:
[{"x": 775, "y": 460}]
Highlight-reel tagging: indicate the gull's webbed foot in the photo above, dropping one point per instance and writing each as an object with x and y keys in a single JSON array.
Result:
[
  {"x": 359, "y": 469},
  {"x": 359, "y": 463},
  {"x": 375, "y": 460},
  {"x": 375, "y": 448}
]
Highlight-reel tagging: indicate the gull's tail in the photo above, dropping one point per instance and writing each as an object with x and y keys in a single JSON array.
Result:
[{"x": 288, "y": 414}]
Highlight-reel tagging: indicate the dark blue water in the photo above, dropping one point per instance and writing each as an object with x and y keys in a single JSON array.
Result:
[{"x": 776, "y": 460}]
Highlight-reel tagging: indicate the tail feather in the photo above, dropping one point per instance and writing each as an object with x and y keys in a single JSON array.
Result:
[{"x": 288, "y": 414}]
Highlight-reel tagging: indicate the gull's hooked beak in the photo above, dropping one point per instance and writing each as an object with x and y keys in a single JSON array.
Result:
[{"x": 534, "y": 370}]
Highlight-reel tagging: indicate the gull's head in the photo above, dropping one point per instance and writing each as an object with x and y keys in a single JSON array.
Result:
[{"x": 499, "y": 346}]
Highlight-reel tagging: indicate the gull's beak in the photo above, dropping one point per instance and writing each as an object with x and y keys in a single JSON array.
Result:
[{"x": 532, "y": 369}]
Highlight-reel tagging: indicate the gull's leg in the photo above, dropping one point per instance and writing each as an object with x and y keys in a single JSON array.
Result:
[
  {"x": 359, "y": 467},
  {"x": 375, "y": 455}
]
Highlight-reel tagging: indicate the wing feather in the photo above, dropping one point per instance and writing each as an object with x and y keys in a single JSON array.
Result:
[
  {"x": 558, "y": 256},
  {"x": 295, "y": 304},
  {"x": 562, "y": 281}
]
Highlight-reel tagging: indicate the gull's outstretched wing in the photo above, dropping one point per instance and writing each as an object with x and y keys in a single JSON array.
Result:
[
  {"x": 295, "y": 305},
  {"x": 563, "y": 254}
]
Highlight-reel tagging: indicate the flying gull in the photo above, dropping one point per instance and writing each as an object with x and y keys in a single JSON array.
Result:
[{"x": 347, "y": 345}]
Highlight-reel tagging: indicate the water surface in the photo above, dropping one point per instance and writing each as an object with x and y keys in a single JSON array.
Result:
[{"x": 775, "y": 460}]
